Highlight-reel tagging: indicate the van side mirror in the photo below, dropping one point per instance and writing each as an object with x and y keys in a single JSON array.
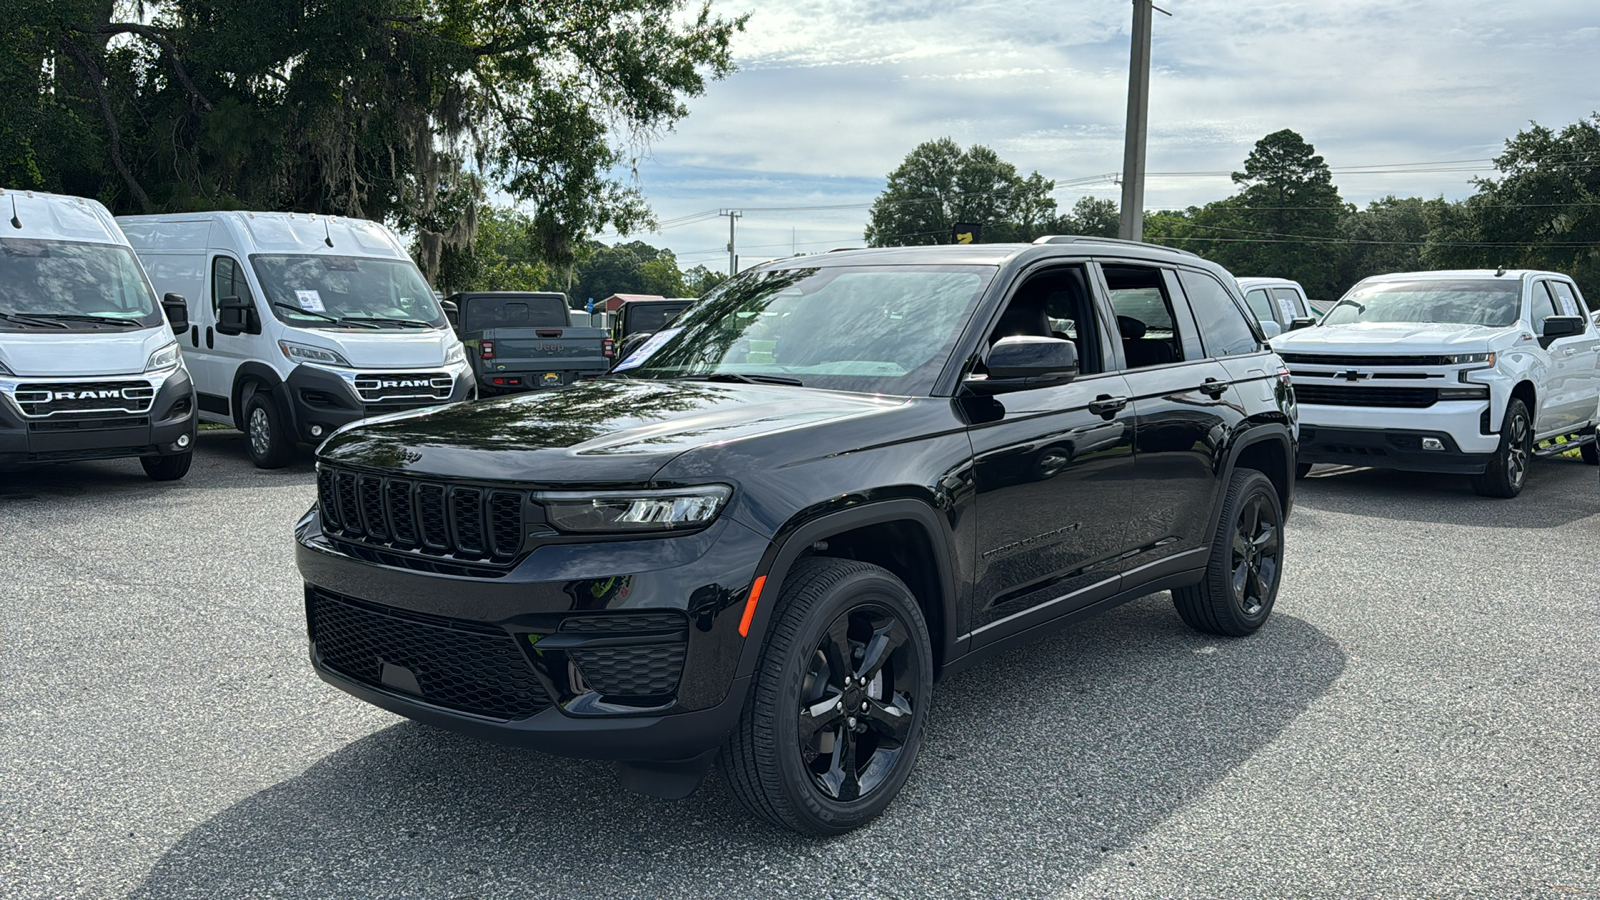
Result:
[
  {"x": 1023, "y": 362},
  {"x": 177, "y": 310},
  {"x": 1302, "y": 322},
  {"x": 452, "y": 314},
  {"x": 237, "y": 315}
]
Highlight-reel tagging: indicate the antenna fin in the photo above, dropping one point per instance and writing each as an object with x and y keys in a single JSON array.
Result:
[
  {"x": 15, "y": 222},
  {"x": 327, "y": 236}
]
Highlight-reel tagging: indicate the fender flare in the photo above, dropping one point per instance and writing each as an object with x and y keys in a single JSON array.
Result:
[
  {"x": 787, "y": 549},
  {"x": 1256, "y": 434},
  {"x": 253, "y": 372}
]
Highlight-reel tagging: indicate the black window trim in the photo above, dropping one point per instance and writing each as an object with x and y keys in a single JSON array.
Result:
[{"x": 1239, "y": 304}]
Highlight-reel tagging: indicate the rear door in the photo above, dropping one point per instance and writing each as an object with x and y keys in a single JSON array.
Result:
[
  {"x": 1585, "y": 356},
  {"x": 1570, "y": 399}
]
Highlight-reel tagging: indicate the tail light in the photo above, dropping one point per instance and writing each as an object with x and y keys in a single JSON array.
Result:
[
  {"x": 486, "y": 349},
  {"x": 608, "y": 348}
]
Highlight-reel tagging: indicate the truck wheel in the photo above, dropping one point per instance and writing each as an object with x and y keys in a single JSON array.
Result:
[
  {"x": 1241, "y": 581},
  {"x": 266, "y": 432},
  {"x": 1508, "y": 468},
  {"x": 832, "y": 724},
  {"x": 1301, "y": 470},
  {"x": 167, "y": 468}
]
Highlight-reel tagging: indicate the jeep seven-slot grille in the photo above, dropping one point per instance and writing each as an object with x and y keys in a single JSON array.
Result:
[
  {"x": 467, "y": 523},
  {"x": 453, "y": 663},
  {"x": 1334, "y": 395}
]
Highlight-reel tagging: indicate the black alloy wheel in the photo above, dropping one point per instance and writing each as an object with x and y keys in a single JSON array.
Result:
[
  {"x": 833, "y": 721},
  {"x": 1246, "y": 563},
  {"x": 1508, "y": 468}
]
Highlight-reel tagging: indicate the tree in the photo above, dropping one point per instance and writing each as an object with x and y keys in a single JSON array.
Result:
[
  {"x": 1093, "y": 216},
  {"x": 372, "y": 108},
  {"x": 629, "y": 268},
  {"x": 700, "y": 280},
  {"x": 503, "y": 256},
  {"x": 1387, "y": 236},
  {"x": 938, "y": 185}
]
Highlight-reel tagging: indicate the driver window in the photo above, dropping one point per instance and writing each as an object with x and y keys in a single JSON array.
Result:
[
  {"x": 1054, "y": 303},
  {"x": 1260, "y": 304},
  {"x": 1543, "y": 306},
  {"x": 227, "y": 280}
]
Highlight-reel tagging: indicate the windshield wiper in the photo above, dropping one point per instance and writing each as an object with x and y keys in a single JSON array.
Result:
[
  {"x": 743, "y": 378},
  {"x": 377, "y": 321},
  {"x": 304, "y": 312},
  {"x": 24, "y": 319},
  {"x": 77, "y": 317}
]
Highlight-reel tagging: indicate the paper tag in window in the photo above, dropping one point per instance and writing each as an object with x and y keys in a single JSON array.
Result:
[
  {"x": 1289, "y": 315},
  {"x": 642, "y": 353},
  {"x": 311, "y": 301}
]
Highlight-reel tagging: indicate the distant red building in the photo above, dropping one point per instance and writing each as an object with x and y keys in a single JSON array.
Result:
[{"x": 616, "y": 300}]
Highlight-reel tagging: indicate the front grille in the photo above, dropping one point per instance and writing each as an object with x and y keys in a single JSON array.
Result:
[
  {"x": 1333, "y": 395},
  {"x": 39, "y": 400},
  {"x": 462, "y": 522},
  {"x": 1319, "y": 359},
  {"x": 458, "y": 664},
  {"x": 97, "y": 423},
  {"x": 399, "y": 386},
  {"x": 650, "y": 671},
  {"x": 623, "y": 623}
]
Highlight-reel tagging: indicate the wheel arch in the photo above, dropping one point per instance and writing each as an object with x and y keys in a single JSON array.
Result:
[
  {"x": 1269, "y": 448},
  {"x": 246, "y": 381}
]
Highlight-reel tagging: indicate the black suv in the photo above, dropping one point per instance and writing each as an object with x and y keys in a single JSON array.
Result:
[{"x": 835, "y": 481}]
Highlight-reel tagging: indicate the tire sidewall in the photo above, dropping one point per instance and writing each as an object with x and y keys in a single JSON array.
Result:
[
  {"x": 278, "y": 443},
  {"x": 1253, "y": 483}
]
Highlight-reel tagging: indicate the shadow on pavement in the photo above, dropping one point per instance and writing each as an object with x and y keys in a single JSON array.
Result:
[
  {"x": 220, "y": 460},
  {"x": 1559, "y": 491},
  {"x": 1037, "y": 764}
]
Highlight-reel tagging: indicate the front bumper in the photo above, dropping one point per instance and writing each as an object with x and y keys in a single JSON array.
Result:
[
  {"x": 323, "y": 399},
  {"x": 1389, "y": 448},
  {"x": 157, "y": 430},
  {"x": 621, "y": 650}
]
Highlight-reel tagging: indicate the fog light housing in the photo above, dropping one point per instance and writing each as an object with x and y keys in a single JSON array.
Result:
[
  {"x": 316, "y": 431},
  {"x": 1432, "y": 444},
  {"x": 183, "y": 441}
]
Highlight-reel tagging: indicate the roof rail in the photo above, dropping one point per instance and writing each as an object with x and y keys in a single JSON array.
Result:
[{"x": 1091, "y": 239}]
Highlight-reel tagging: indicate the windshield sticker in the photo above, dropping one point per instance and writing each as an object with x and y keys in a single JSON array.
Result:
[
  {"x": 1569, "y": 305},
  {"x": 310, "y": 301},
  {"x": 651, "y": 345}
]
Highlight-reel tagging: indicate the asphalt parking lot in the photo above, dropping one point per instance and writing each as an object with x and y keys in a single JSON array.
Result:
[{"x": 1421, "y": 718}]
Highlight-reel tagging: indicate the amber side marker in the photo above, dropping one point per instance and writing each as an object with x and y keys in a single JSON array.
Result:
[{"x": 750, "y": 606}]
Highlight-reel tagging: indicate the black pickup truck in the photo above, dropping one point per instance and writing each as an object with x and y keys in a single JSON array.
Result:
[
  {"x": 518, "y": 341},
  {"x": 636, "y": 320}
]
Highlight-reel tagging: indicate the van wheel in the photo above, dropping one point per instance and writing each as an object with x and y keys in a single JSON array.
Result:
[
  {"x": 1241, "y": 581},
  {"x": 832, "y": 725},
  {"x": 266, "y": 433},
  {"x": 1508, "y": 468},
  {"x": 167, "y": 468}
]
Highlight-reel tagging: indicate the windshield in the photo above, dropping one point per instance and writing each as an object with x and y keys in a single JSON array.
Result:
[
  {"x": 516, "y": 311},
  {"x": 347, "y": 291},
  {"x": 873, "y": 329},
  {"x": 1492, "y": 303},
  {"x": 66, "y": 285}
]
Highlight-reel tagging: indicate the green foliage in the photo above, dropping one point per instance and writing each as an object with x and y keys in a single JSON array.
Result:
[
  {"x": 698, "y": 281},
  {"x": 503, "y": 257},
  {"x": 373, "y": 108},
  {"x": 1092, "y": 216},
  {"x": 631, "y": 268},
  {"x": 939, "y": 185}
]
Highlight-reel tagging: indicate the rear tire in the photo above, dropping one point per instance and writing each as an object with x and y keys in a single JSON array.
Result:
[
  {"x": 266, "y": 431},
  {"x": 1246, "y": 563},
  {"x": 1508, "y": 468},
  {"x": 845, "y": 632},
  {"x": 167, "y": 468}
]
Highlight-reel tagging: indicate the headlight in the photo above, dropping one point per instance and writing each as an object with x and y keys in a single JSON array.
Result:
[
  {"x": 303, "y": 353},
  {"x": 455, "y": 353},
  {"x": 163, "y": 359},
  {"x": 1461, "y": 359},
  {"x": 634, "y": 511}
]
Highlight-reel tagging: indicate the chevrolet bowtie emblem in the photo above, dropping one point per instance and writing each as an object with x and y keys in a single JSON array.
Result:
[{"x": 1353, "y": 375}]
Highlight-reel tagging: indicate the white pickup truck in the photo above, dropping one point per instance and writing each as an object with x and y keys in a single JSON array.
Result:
[{"x": 1471, "y": 372}]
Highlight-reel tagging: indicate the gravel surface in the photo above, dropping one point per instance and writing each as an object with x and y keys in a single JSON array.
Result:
[{"x": 1420, "y": 718}]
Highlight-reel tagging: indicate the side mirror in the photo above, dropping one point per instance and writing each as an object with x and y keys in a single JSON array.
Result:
[
  {"x": 1022, "y": 362},
  {"x": 452, "y": 314},
  {"x": 1270, "y": 329},
  {"x": 1561, "y": 326},
  {"x": 177, "y": 310},
  {"x": 1302, "y": 322},
  {"x": 237, "y": 315}
]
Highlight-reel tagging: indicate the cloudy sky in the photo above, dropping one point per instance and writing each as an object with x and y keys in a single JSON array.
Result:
[{"x": 831, "y": 95}]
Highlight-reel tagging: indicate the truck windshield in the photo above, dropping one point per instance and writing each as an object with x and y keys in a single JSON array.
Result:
[
  {"x": 69, "y": 285},
  {"x": 347, "y": 291},
  {"x": 525, "y": 311},
  {"x": 873, "y": 329},
  {"x": 1492, "y": 303}
]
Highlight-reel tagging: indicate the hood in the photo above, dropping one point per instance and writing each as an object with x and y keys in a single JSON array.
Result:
[
  {"x": 367, "y": 349},
  {"x": 86, "y": 353},
  {"x": 595, "y": 432},
  {"x": 1391, "y": 337}
]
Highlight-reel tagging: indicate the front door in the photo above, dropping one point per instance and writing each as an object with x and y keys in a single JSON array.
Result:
[{"x": 222, "y": 354}]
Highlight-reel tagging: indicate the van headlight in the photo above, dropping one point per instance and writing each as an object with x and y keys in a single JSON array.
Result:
[
  {"x": 163, "y": 359},
  {"x": 633, "y": 512},
  {"x": 305, "y": 353},
  {"x": 455, "y": 353}
]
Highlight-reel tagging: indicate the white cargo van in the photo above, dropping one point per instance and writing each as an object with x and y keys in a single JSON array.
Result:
[
  {"x": 88, "y": 365},
  {"x": 299, "y": 324}
]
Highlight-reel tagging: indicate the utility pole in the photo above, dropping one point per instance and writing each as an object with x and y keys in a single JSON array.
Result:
[
  {"x": 733, "y": 260},
  {"x": 1132, "y": 226}
]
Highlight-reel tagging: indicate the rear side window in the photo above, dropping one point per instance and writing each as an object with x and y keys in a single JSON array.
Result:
[
  {"x": 227, "y": 280},
  {"x": 1566, "y": 298},
  {"x": 1223, "y": 326},
  {"x": 1138, "y": 296},
  {"x": 1289, "y": 302}
]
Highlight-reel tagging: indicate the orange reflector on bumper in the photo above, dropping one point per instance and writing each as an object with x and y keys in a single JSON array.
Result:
[{"x": 750, "y": 606}]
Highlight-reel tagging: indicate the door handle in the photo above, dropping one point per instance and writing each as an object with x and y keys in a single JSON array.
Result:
[
  {"x": 210, "y": 344},
  {"x": 194, "y": 335},
  {"x": 1213, "y": 388},
  {"x": 1568, "y": 351},
  {"x": 1107, "y": 406}
]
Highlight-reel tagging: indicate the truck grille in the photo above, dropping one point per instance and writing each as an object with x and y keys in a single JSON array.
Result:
[
  {"x": 404, "y": 386},
  {"x": 462, "y": 665},
  {"x": 1319, "y": 359},
  {"x": 463, "y": 522},
  {"x": 1333, "y": 395},
  {"x": 44, "y": 399}
]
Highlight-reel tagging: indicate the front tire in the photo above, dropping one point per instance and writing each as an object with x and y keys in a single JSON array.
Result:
[
  {"x": 167, "y": 468},
  {"x": 1508, "y": 468},
  {"x": 832, "y": 725},
  {"x": 1246, "y": 563},
  {"x": 266, "y": 431}
]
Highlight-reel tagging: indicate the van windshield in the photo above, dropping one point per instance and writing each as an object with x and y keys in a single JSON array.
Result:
[
  {"x": 68, "y": 285},
  {"x": 347, "y": 292}
]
